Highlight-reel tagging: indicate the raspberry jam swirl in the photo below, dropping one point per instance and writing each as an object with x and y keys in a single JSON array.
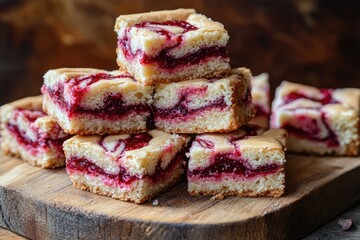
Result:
[
  {"x": 41, "y": 141},
  {"x": 312, "y": 128}
]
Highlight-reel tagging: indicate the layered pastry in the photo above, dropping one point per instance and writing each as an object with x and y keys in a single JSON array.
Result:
[
  {"x": 319, "y": 121},
  {"x": 260, "y": 92},
  {"x": 27, "y": 132},
  {"x": 92, "y": 101},
  {"x": 247, "y": 162},
  {"x": 168, "y": 46},
  {"x": 132, "y": 168},
  {"x": 204, "y": 105}
]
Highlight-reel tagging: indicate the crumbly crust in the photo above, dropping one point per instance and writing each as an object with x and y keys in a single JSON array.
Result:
[
  {"x": 142, "y": 191},
  {"x": 50, "y": 163},
  {"x": 269, "y": 186}
]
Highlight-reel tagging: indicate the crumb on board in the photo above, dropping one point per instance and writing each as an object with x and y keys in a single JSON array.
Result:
[
  {"x": 155, "y": 202},
  {"x": 345, "y": 223}
]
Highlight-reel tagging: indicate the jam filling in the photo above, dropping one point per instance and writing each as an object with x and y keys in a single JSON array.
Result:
[
  {"x": 123, "y": 177},
  {"x": 114, "y": 107},
  {"x": 181, "y": 108},
  {"x": 227, "y": 164},
  {"x": 41, "y": 142},
  {"x": 312, "y": 129},
  {"x": 164, "y": 59},
  {"x": 135, "y": 141},
  {"x": 324, "y": 98}
]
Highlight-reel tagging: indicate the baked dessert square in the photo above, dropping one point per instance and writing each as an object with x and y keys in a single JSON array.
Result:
[
  {"x": 260, "y": 92},
  {"x": 169, "y": 46},
  {"x": 204, "y": 105},
  {"x": 27, "y": 132},
  {"x": 319, "y": 121},
  {"x": 134, "y": 167},
  {"x": 248, "y": 162},
  {"x": 91, "y": 101}
]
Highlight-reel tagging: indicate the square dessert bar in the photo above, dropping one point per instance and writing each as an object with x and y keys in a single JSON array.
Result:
[
  {"x": 169, "y": 46},
  {"x": 132, "y": 168},
  {"x": 319, "y": 121},
  {"x": 27, "y": 132},
  {"x": 204, "y": 105},
  {"x": 260, "y": 93},
  {"x": 247, "y": 162},
  {"x": 92, "y": 101}
]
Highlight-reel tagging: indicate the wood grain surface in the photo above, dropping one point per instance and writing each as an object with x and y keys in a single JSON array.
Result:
[{"x": 42, "y": 204}]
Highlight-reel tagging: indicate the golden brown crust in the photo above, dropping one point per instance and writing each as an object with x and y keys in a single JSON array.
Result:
[
  {"x": 154, "y": 16},
  {"x": 268, "y": 193}
]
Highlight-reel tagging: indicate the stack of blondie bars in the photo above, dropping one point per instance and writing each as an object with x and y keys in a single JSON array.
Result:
[{"x": 175, "y": 107}]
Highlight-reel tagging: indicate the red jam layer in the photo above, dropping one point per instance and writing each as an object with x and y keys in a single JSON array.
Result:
[
  {"x": 134, "y": 141},
  {"x": 181, "y": 109},
  {"x": 324, "y": 98},
  {"x": 226, "y": 164},
  {"x": 40, "y": 144},
  {"x": 85, "y": 166},
  {"x": 164, "y": 59},
  {"x": 114, "y": 107},
  {"x": 312, "y": 129}
]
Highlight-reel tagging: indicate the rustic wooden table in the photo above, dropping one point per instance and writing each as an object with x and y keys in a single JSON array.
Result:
[{"x": 329, "y": 231}]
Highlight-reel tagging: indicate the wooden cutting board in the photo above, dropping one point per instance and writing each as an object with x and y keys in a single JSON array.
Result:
[{"x": 42, "y": 204}]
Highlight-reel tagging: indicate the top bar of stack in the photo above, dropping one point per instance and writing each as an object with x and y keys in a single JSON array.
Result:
[{"x": 171, "y": 46}]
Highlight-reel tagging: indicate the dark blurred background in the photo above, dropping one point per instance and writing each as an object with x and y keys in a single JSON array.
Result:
[{"x": 315, "y": 42}]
